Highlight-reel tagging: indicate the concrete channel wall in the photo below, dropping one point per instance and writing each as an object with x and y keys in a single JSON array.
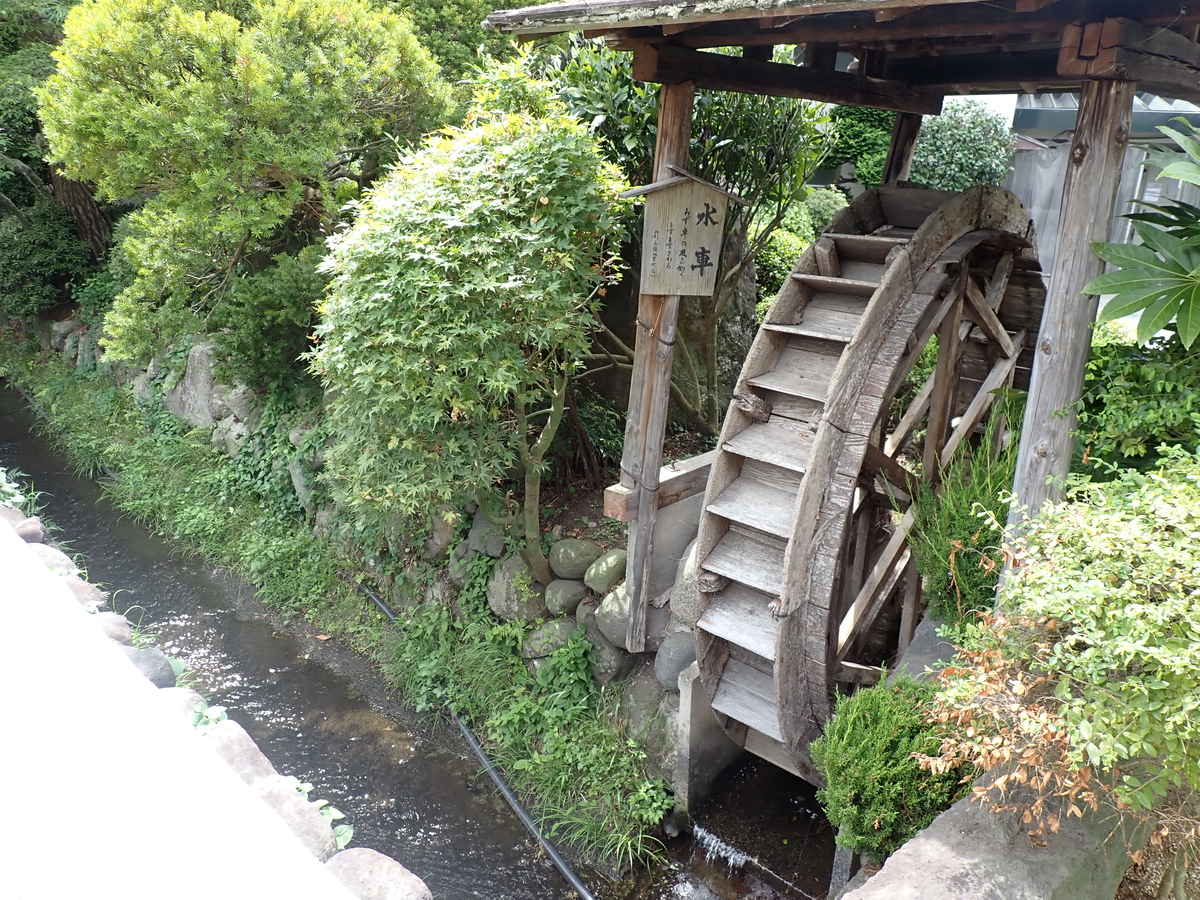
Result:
[{"x": 110, "y": 791}]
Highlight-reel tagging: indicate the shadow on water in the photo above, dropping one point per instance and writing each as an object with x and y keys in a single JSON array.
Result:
[{"x": 318, "y": 712}]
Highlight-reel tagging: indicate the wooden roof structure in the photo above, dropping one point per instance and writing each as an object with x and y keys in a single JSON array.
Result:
[
  {"x": 909, "y": 54},
  {"x": 904, "y": 56}
]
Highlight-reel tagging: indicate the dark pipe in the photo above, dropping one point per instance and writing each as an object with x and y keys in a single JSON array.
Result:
[{"x": 522, "y": 813}]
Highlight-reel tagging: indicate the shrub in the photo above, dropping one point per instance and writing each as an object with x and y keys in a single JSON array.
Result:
[
  {"x": 461, "y": 304},
  {"x": 877, "y": 794},
  {"x": 967, "y": 144},
  {"x": 774, "y": 264},
  {"x": 38, "y": 263},
  {"x": 1094, "y": 663},
  {"x": 822, "y": 205},
  {"x": 861, "y": 132},
  {"x": 956, "y": 538},
  {"x": 1138, "y": 398}
]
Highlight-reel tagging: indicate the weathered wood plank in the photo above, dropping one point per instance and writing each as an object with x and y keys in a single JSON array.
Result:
[
  {"x": 812, "y": 389},
  {"x": 909, "y": 607},
  {"x": 863, "y": 611},
  {"x": 853, "y": 673},
  {"x": 775, "y": 752},
  {"x": 757, "y": 505},
  {"x": 827, "y": 258},
  {"x": 911, "y": 418},
  {"x": 1097, "y": 151},
  {"x": 649, "y": 392},
  {"x": 754, "y": 562},
  {"x": 981, "y": 402},
  {"x": 677, "y": 481},
  {"x": 748, "y": 695},
  {"x": 670, "y": 64},
  {"x": 891, "y": 471},
  {"x": 772, "y": 445},
  {"x": 944, "y": 377},
  {"x": 981, "y": 314},
  {"x": 998, "y": 286},
  {"x": 898, "y": 164},
  {"x": 838, "y": 285},
  {"x": 865, "y": 247},
  {"x": 803, "y": 329},
  {"x": 741, "y": 616}
]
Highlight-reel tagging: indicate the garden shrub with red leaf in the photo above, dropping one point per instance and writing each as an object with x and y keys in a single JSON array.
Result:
[{"x": 1086, "y": 681}]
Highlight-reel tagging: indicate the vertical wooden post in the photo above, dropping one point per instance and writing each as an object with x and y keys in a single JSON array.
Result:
[
  {"x": 898, "y": 164},
  {"x": 1089, "y": 194},
  {"x": 650, "y": 389}
]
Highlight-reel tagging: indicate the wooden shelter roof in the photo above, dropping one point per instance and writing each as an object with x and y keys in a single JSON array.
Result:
[{"x": 909, "y": 54}]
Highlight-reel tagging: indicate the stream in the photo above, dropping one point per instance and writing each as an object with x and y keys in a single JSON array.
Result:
[{"x": 406, "y": 783}]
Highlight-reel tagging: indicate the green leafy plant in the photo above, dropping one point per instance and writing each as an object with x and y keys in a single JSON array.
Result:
[
  {"x": 224, "y": 184},
  {"x": 342, "y": 834},
  {"x": 877, "y": 794},
  {"x": 955, "y": 537},
  {"x": 966, "y": 145},
  {"x": 38, "y": 259},
  {"x": 862, "y": 132},
  {"x": 1159, "y": 278},
  {"x": 1091, "y": 666},
  {"x": 774, "y": 264},
  {"x": 1137, "y": 398},
  {"x": 460, "y": 307},
  {"x": 822, "y": 205}
]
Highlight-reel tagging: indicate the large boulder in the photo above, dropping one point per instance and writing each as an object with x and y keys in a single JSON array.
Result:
[
  {"x": 547, "y": 638},
  {"x": 32, "y": 531},
  {"x": 233, "y": 743},
  {"x": 152, "y": 663},
  {"x": 606, "y": 572},
  {"x": 192, "y": 399},
  {"x": 60, "y": 331},
  {"x": 181, "y": 700},
  {"x": 514, "y": 593},
  {"x": 115, "y": 627},
  {"x": 459, "y": 570},
  {"x": 280, "y": 792},
  {"x": 563, "y": 596},
  {"x": 612, "y": 616},
  {"x": 677, "y": 652},
  {"x": 611, "y": 663},
  {"x": 441, "y": 534},
  {"x": 369, "y": 875},
  {"x": 89, "y": 596},
  {"x": 687, "y": 603},
  {"x": 485, "y": 537},
  {"x": 570, "y": 558},
  {"x": 54, "y": 559}
]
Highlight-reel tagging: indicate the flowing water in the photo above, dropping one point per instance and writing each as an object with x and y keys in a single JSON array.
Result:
[{"x": 406, "y": 783}]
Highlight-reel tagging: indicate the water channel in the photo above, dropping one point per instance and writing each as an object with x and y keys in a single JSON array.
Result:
[{"x": 407, "y": 783}]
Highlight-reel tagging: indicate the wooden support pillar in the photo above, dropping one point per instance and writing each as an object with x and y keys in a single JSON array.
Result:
[
  {"x": 1089, "y": 194},
  {"x": 900, "y": 151},
  {"x": 650, "y": 390}
]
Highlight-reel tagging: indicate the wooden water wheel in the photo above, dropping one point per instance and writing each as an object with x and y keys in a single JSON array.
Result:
[{"x": 803, "y": 541}]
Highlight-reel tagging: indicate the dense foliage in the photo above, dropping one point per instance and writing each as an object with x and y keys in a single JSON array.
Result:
[
  {"x": 460, "y": 306},
  {"x": 955, "y": 536},
  {"x": 966, "y": 145},
  {"x": 452, "y": 30},
  {"x": 229, "y": 122},
  {"x": 1094, "y": 662},
  {"x": 863, "y": 134},
  {"x": 552, "y": 731},
  {"x": 877, "y": 794},
  {"x": 1137, "y": 398},
  {"x": 38, "y": 261}
]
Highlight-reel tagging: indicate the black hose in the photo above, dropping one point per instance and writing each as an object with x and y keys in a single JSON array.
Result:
[{"x": 561, "y": 864}]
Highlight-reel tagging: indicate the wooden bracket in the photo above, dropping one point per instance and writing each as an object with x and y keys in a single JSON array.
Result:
[
  {"x": 1162, "y": 62},
  {"x": 669, "y": 64}
]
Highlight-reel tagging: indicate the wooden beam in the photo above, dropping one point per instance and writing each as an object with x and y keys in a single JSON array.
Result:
[
  {"x": 821, "y": 55},
  {"x": 943, "y": 383},
  {"x": 1162, "y": 62},
  {"x": 668, "y": 64},
  {"x": 891, "y": 471},
  {"x": 890, "y": 559},
  {"x": 982, "y": 401},
  {"x": 975, "y": 68},
  {"x": 981, "y": 314},
  {"x": 676, "y": 482},
  {"x": 891, "y": 13},
  {"x": 900, "y": 151},
  {"x": 1089, "y": 194},
  {"x": 650, "y": 386}
]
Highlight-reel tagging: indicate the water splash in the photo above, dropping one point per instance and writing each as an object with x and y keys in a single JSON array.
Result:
[{"x": 715, "y": 847}]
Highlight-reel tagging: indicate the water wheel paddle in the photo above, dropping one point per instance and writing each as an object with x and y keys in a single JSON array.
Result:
[{"x": 809, "y": 582}]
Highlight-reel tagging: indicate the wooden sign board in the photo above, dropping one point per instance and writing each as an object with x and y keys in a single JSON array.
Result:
[{"x": 681, "y": 240}]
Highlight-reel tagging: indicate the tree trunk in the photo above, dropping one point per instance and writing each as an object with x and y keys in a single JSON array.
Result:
[{"x": 92, "y": 223}]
